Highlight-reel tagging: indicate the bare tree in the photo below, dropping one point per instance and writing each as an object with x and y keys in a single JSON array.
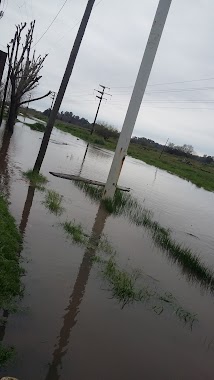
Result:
[
  {"x": 186, "y": 148},
  {"x": 23, "y": 72}
]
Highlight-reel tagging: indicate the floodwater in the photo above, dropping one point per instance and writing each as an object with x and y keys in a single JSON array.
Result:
[{"x": 69, "y": 325}]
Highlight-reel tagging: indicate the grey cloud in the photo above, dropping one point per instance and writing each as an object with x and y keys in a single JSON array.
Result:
[{"x": 111, "y": 52}]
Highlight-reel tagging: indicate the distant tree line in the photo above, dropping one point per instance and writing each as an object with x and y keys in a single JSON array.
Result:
[
  {"x": 103, "y": 129},
  {"x": 186, "y": 151},
  {"x": 69, "y": 117},
  {"x": 106, "y": 131},
  {"x": 147, "y": 143}
]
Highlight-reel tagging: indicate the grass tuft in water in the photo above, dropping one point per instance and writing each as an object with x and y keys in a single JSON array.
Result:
[
  {"x": 186, "y": 316},
  {"x": 36, "y": 126},
  {"x": 104, "y": 246},
  {"x": 36, "y": 179},
  {"x": 6, "y": 355},
  {"x": 53, "y": 202},
  {"x": 124, "y": 204},
  {"x": 94, "y": 192},
  {"x": 122, "y": 283},
  {"x": 117, "y": 203},
  {"x": 75, "y": 231},
  {"x": 127, "y": 289}
]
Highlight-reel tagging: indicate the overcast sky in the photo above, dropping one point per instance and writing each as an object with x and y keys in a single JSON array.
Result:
[{"x": 111, "y": 53}]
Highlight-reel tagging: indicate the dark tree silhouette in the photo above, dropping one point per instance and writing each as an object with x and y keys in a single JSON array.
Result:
[{"x": 23, "y": 72}]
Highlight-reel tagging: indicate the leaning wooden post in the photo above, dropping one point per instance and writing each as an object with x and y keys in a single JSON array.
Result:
[{"x": 137, "y": 97}]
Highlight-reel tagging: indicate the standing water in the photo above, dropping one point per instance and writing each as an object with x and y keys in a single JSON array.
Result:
[{"x": 70, "y": 323}]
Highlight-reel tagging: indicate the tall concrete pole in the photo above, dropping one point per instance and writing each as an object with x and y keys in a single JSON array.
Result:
[
  {"x": 137, "y": 97},
  {"x": 63, "y": 85}
]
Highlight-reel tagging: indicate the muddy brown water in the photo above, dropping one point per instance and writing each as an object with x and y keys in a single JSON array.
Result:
[{"x": 69, "y": 326}]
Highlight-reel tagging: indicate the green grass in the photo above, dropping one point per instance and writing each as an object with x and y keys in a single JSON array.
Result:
[
  {"x": 10, "y": 245},
  {"x": 53, "y": 201},
  {"x": 6, "y": 355},
  {"x": 80, "y": 132},
  {"x": 125, "y": 205},
  {"x": 36, "y": 179},
  {"x": 36, "y": 126},
  {"x": 75, "y": 231},
  {"x": 11, "y": 288}
]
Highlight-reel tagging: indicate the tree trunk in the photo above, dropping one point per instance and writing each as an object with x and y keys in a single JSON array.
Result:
[{"x": 13, "y": 112}]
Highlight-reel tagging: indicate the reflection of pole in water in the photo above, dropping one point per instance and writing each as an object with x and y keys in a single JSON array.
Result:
[
  {"x": 156, "y": 171},
  {"x": 81, "y": 167},
  {"x": 72, "y": 310},
  {"x": 26, "y": 209}
]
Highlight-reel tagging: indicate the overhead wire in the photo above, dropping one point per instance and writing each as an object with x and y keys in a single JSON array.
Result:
[
  {"x": 77, "y": 23},
  {"x": 51, "y": 23},
  {"x": 168, "y": 83}
]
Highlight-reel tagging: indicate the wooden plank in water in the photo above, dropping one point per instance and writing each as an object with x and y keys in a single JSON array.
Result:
[{"x": 86, "y": 180}]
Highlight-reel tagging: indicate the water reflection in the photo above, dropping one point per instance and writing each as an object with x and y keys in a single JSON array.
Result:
[
  {"x": 81, "y": 167},
  {"x": 4, "y": 170},
  {"x": 3, "y": 325},
  {"x": 26, "y": 209},
  {"x": 5, "y": 189},
  {"x": 73, "y": 308},
  {"x": 191, "y": 266},
  {"x": 22, "y": 227}
]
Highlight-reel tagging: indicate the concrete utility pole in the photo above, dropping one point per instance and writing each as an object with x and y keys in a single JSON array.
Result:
[
  {"x": 63, "y": 85},
  {"x": 101, "y": 98},
  {"x": 137, "y": 96}
]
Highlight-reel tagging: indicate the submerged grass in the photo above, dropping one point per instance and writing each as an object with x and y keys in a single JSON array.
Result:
[
  {"x": 124, "y": 286},
  {"x": 6, "y": 355},
  {"x": 124, "y": 204},
  {"x": 75, "y": 231},
  {"x": 53, "y": 201},
  {"x": 78, "y": 235},
  {"x": 36, "y": 179},
  {"x": 122, "y": 283},
  {"x": 36, "y": 126}
]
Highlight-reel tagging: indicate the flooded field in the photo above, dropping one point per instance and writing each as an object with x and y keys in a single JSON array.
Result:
[{"x": 72, "y": 324}]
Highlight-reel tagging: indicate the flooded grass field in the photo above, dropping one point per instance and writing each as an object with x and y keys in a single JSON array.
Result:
[{"x": 122, "y": 291}]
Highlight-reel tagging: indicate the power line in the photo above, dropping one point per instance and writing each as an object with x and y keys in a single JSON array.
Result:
[
  {"x": 78, "y": 22},
  {"x": 51, "y": 23},
  {"x": 165, "y": 107},
  {"x": 184, "y": 108},
  {"x": 171, "y": 90},
  {"x": 167, "y": 83}
]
